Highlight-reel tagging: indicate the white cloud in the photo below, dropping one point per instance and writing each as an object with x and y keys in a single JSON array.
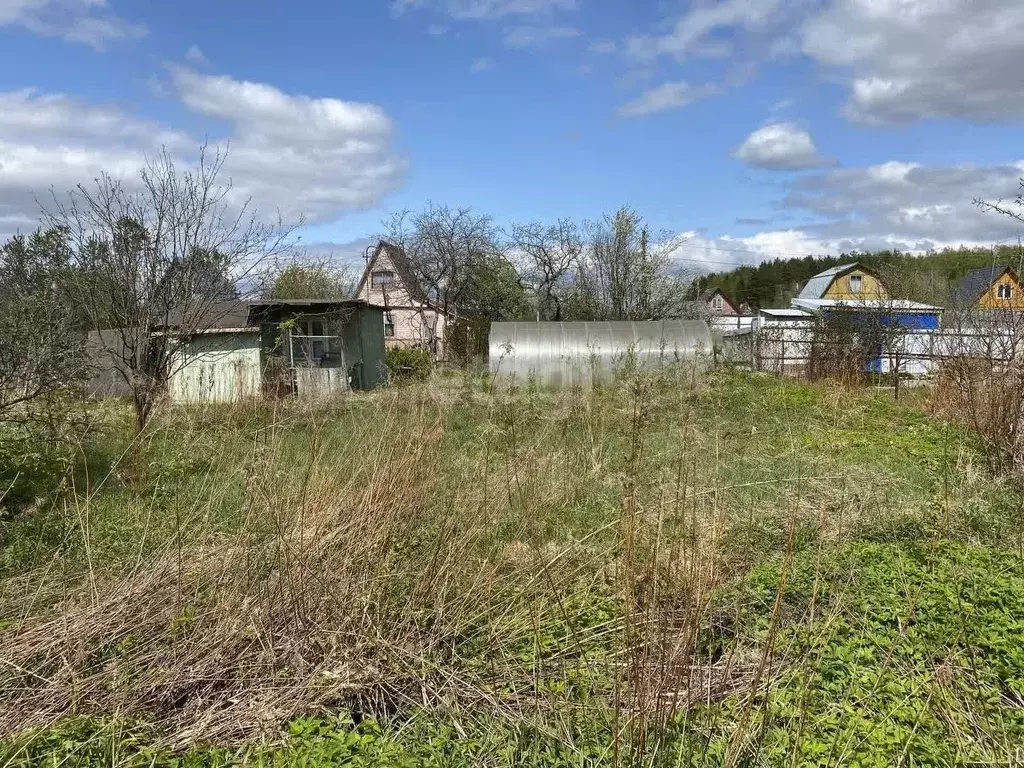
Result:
[
  {"x": 893, "y": 205},
  {"x": 901, "y": 60},
  {"x": 693, "y": 33},
  {"x": 930, "y": 58},
  {"x": 437, "y": 30},
  {"x": 664, "y": 97},
  {"x": 914, "y": 205},
  {"x": 531, "y": 37},
  {"x": 485, "y": 9},
  {"x": 301, "y": 155},
  {"x": 195, "y": 56},
  {"x": 90, "y": 22},
  {"x": 780, "y": 147},
  {"x": 55, "y": 141},
  {"x": 482, "y": 64},
  {"x": 311, "y": 156},
  {"x": 700, "y": 253},
  {"x": 603, "y": 47}
]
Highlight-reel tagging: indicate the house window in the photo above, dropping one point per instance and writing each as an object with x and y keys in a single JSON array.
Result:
[
  {"x": 856, "y": 283},
  {"x": 382, "y": 278},
  {"x": 1004, "y": 291},
  {"x": 717, "y": 303},
  {"x": 389, "y": 325}
]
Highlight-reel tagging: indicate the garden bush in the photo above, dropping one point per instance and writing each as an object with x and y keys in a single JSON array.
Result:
[{"x": 406, "y": 364}]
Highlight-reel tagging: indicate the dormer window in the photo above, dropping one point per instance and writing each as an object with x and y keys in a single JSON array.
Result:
[
  {"x": 856, "y": 283},
  {"x": 1004, "y": 290},
  {"x": 382, "y": 278}
]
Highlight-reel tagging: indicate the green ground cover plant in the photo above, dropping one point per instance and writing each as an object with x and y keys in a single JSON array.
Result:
[{"x": 675, "y": 569}]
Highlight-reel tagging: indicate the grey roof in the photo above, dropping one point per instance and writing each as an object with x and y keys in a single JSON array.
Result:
[
  {"x": 306, "y": 303},
  {"x": 818, "y": 285},
  {"x": 259, "y": 310},
  {"x": 976, "y": 282},
  {"x": 885, "y": 305},
  {"x": 785, "y": 313},
  {"x": 203, "y": 315}
]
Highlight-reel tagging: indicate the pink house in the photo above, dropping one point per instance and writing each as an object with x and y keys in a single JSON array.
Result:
[
  {"x": 719, "y": 303},
  {"x": 410, "y": 318}
]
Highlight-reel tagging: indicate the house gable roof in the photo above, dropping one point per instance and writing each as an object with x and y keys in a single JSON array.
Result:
[
  {"x": 818, "y": 285},
  {"x": 710, "y": 293},
  {"x": 973, "y": 284},
  {"x": 403, "y": 269}
]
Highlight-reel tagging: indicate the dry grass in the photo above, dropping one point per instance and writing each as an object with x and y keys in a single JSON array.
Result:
[{"x": 452, "y": 549}]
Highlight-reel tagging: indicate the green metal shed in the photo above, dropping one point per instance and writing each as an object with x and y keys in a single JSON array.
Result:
[{"x": 321, "y": 346}]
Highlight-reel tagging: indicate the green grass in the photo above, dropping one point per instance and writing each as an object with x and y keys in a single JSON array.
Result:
[{"x": 749, "y": 571}]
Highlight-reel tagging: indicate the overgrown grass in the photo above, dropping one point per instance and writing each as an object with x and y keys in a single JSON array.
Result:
[{"x": 674, "y": 571}]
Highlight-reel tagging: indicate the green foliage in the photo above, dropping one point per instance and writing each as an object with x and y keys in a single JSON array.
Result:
[
  {"x": 309, "y": 281},
  {"x": 895, "y": 653},
  {"x": 408, "y": 364},
  {"x": 41, "y": 331},
  {"x": 39, "y": 450},
  {"x": 494, "y": 291},
  {"x": 890, "y": 626}
]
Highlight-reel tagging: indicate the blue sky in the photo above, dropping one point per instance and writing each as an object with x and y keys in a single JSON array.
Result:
[{"x": 757, "y": 127}]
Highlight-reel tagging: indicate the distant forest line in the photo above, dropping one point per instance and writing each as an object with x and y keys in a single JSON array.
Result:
[{"x": 928, "y": 277}]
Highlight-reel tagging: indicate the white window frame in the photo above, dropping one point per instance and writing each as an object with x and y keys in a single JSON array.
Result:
[
  {"x": 856, "y": 283},
  {"x": 376, "y": 282},
  {"x": 389, "y": 323},
  {"x": 308, "y": 326},
  {"x": 1004, "y": 290}
]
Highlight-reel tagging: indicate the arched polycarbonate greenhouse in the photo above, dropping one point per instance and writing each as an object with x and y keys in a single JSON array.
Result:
[{"x": 567, "y": 354}]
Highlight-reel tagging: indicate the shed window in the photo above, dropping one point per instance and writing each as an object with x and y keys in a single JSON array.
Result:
[
  {"x": 382, "y": 278},
  {"x": 1005, "y": 291},
  {"x": 389, "y": 325},
  {"x": 311, "y": 327},
  {"x": 856, "y": 283}
]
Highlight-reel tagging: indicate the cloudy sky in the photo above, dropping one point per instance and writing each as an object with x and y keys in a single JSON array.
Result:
[{"x": 759, "y": 127}]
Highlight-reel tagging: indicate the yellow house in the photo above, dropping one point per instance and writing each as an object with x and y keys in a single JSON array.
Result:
[
  {"x": 847, "y": 282},
  {"x": 990, "y": 288}
]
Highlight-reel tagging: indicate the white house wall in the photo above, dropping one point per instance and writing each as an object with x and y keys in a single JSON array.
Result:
[{"x": 732, "y": 322}]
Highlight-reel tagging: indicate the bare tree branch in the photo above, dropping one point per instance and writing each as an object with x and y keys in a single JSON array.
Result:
[{"x": 158, "y": 258}]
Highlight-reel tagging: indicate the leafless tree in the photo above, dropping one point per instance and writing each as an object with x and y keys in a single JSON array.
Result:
[
  {"x": 623, "y": 274},
  {"x": 446, "y": 248},
  {"x": 157, "y": 258},
  {"x": 546, "y": 255},
  {"x": 981, "y": 374},
  {"x": 1014, "y": 209}
]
